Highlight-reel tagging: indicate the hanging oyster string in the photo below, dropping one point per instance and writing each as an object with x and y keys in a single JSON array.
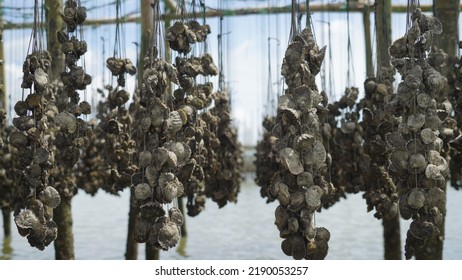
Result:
[
  {"x": 115, "y": 120},
  {"x": 35, "y": 197},
  {"x": 416, "y": 162},
  {"x": 300, "y": 181},
  {"x": 156, "y": 184},
  {"x": 378, "y": 120}
]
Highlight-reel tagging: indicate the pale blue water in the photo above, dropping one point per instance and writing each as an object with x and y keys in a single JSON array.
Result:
[{"x": 238, "y": 231}]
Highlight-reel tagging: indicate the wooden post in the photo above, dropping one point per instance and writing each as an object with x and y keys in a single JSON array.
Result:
[
  {"x": 6, "y": 222},
  {"x": 383, "y": 37},
  {"x": 131, "y": 249},
  {"x": 2, "y": 64},
  {"x": 147, "y": 20},
  {"x": 54, "y": 23},
  {"x": 391, "y": 227},
  {"x": 64, "y": 243},
  {"x": 367, "y": 41}
]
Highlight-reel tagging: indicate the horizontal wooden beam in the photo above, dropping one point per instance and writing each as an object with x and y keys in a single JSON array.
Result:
[{"x": 335, "y": 7}]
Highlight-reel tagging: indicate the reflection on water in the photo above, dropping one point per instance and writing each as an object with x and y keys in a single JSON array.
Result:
[
  {"x": 238, "y": 231},
  {"x": 6, "y": 249}
]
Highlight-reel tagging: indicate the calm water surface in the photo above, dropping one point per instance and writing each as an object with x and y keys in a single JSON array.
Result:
[{"x": 238, "y": 231}]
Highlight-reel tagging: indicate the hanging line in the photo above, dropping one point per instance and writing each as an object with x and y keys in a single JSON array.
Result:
[
  {"x": 220, "y": 48},
  {"x": 293, "y": 24},
  {"x": 350, "y": 67}
]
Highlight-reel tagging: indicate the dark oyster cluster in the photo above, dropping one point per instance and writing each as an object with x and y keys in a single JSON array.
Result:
[
  {"x": 266, "y": 159},
  {"x": 7, "y": 172},
  {"x": 182, "y": 35},
  {"x": 73, "y": 133},
  {"x": 415, "y": 161},
  {"x": 346, "y": 138},
  {"x": 74, "y": 14},
  {"x": 222, "y": 179},
  {"x": 159, "y": 156},
  {"x": 378, "y": 120},
  {"x": 300, "y": 184},
  {"x": 35, "y": 197}
]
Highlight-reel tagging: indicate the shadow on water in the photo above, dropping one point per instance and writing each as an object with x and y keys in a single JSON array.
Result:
[{"x": 7, "y": 250}]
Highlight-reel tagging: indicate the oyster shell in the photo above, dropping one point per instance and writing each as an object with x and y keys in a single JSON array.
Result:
[{"x": 291, "y": 161}]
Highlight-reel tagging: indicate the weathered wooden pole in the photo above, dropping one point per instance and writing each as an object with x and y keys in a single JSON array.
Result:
[
  {"x": 3, "y": 98},
  {"x": 368, "y": 41},
  {"x": 391, "y": 227},
  {"x": 54, "y": 23},
  {"x": 64, "y": 243},
  {"x": 5, "y": 212},
  {"x": 147, "y": 20}
]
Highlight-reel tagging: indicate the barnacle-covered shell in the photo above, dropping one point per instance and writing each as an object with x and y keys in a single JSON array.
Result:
[
  {"x": 428, "y": 136},
  {"x": 291, "y": 161},
  {"x": 41, "y": 155},
  {"x": 176, "y": 216},
  {"x": 281, "y": 217},
  {"x": 283, "y": 194},
  {"x": 394, "y": 140},
  {"x": 416, "y": 121},
  {"x": 318, "y": 154},
  {"x": 181, "y": 150},
  {"x": 174, "y": 122},
  {"x": 145, "y": 159},
  {"x": 50, "y": 197},
  {"x": 18, "y": 139},
  {"x": 169, "y": 235},
  {"x": 313, "y": 197},
  {"x": 432, "y": 171},
  {"x": 170, "y": 187},
  {"x": 152, "y": 211},
  {"x": 422, "y": 229},
  {"x": 417, "y": 162},
  {"x": 303, "y": 141},
  {"x": 416, "y": 198},
  {"x": 26, "y": 219},
  {"x": 305, "y": 179},
  {"x": 436, "y": 197},
  {"x": 142, "y": 191},
  {"x": 66, "y": 121}
]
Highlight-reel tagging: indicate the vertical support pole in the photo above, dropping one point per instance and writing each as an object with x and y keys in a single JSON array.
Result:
[
  {"x": 383, "y": 38},
  {"x": 54, "y": 23},
  {"x": 367, "y": 40},
  {"x": 3, "y": 99},
  {"x": 64, "y": 243},
  {"x": 391, "y": 227}
]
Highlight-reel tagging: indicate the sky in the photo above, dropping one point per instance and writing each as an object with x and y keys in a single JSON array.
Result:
[{"x": 254, "y": 46}]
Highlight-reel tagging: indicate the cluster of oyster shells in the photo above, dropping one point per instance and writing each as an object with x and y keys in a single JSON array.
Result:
[
  {"x": 74, "y": 14},
  {"x": 415, "y": 160},
  {"x": 346, "y": 138},
  {"x": 119, "y": 67},
  {"x": 159, "y": 155},
  {"x": 378, "y": 120},
  {"x": 35, "y": 197},
  {"x": 222, "y": 180},
  {"x": 115, "y": 130},
  {"x": 300, "y": 184},
  {"x": 182, "y": 35},
  {"x": 72, "y": 133},
  {"x": 7, "y": 172},
  {"x": 266, "y": 159}
]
